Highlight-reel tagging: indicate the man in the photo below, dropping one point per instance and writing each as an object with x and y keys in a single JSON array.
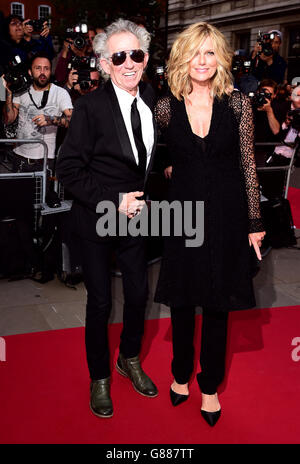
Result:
[
  {"x": 89, "y": 81},
  {"x": 267, "y": 124},
  {"x": 102, "y": 157},
  {"x": 69, "y": 51},
  {"x": 41, "y": 109},
  {"x": 269, "y": 116},
  {"x": 272, "y": 66}
]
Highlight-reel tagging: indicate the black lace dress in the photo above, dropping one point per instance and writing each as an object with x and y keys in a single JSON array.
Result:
[{"x": 219, "y": 170}]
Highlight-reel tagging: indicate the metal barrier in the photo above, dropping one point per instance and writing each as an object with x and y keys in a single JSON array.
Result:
[
  {"x": 42, "y": 174},
  {"x": 287, "y": 168}
]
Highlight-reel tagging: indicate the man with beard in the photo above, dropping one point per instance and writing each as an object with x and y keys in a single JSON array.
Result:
[{"x": 41, "y": 110}]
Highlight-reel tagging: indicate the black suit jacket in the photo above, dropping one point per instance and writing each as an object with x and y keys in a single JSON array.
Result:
[{"x": 96, "y": 161}]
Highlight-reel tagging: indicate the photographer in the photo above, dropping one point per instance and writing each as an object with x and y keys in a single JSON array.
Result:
[
  {"x": 290, "y": 132},
  {"x": 41, "y": 109},
  {"x": 268, "y": 114},
  {"x": 266, "y": 63},
  {"x": 19, "y": 35},
  {"x": 81, "y": 82},
  {"x": 76, "y": 44}
]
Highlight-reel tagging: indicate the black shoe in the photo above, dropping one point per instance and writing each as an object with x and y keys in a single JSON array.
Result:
[
  {"x": 100, "y": 402},
  {"x": 131, "y": 368},
  {"x": 211, "y": 417},
  {"x": 177, "y": 398}
]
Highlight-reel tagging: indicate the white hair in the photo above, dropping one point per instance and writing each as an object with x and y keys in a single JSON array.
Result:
[
  {"x": 117, "y": 27},
  {"x": 295, "y": 96}
]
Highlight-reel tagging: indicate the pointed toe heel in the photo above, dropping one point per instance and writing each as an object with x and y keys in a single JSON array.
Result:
[
  {"x": 177, "y": 398},
  {"x": 211, "y": 417}
]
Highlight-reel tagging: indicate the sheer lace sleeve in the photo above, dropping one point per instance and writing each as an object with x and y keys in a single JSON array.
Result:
[
  {"x": 243, "y": 111},
  {"x": 162, "y": 112}
]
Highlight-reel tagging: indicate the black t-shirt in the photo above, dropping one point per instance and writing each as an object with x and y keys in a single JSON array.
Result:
[{"x": 263, "y": 132}]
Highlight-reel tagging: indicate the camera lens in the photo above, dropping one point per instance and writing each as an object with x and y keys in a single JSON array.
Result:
[{"x": 79, "y": 42}]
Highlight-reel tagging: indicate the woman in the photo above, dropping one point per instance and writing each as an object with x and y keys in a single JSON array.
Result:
[
  {"x": 209, "y": 134},
  {"x": 18, "y": 34}
]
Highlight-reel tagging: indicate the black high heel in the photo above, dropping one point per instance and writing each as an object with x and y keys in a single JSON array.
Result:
[
  {"x": 211, "y": 417},
  {"x": 177, "y": 398}
]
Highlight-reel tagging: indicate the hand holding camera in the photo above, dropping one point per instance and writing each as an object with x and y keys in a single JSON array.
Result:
[{"x": 35, "y": 25}]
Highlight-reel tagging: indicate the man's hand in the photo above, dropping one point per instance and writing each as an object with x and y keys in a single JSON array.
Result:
[
  {"x": 255, "y": 239},
  {"x": 130, "y": 205},
  {"x": 266, "y": 59},
  {"x": 266, "y": 107},
  {"x": 42, "y": 120},
  {"x": 256, "y": 50},
  {"x": 72, "y": 78},
  {"x": 66, "y": 47},
  {"x": 168, "y": 172}
]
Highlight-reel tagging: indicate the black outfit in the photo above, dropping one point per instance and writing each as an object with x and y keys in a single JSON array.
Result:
[
  {"x": 261, "y": 70},
  {"x": 218, "y": 169},
  {"x": 271, "y": 182},
  {"x": 96, "y": 163}
]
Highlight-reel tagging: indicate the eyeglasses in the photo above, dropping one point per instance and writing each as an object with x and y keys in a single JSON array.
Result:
[
  {"x": 119, "y": 57},
  {"x": 15, "y": 23}
]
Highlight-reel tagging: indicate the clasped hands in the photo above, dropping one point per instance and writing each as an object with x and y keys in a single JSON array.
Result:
[{"x": 131, "y": 205}]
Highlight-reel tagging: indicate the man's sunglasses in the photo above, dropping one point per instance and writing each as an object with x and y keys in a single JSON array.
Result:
[{"x": 119, "y": 57}]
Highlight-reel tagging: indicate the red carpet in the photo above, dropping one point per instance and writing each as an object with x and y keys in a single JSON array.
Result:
[
  {"x": 294, "y": 198},
  {"x": 44, "y": 388}
]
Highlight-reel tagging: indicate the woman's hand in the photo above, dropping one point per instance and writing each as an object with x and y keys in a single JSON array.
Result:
[
  {"x": 255, "y": 239},
  {"x": 28, "y": 30},
  {"x": 46, "y": 30}
]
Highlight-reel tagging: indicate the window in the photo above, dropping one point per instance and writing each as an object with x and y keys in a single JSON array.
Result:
[
  {"x": 17, "y": 8},
  {"x": 44, "y": 12}
]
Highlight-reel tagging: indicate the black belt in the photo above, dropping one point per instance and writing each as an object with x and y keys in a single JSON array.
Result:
[{"x": 28, "y": 160}]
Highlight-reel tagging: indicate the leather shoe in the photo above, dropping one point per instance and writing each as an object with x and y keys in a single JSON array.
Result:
[
  {"x": 131, "y": 368},
  {"x": 100, "y": 401},
  {"x": 177, "y": 398},
  {"x": 211, "y": 417}
]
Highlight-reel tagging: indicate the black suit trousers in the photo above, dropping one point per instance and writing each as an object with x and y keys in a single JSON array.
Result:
[
  {"x": 96, "y": 264},
  {"x": 213, "y": 347}
]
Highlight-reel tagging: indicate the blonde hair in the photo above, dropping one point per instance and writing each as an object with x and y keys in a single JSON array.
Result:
[{"x": 186, "y": 47}]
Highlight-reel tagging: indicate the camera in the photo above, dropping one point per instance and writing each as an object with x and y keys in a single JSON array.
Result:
[
  {"x": 295, "y": 115},
  {"x": 16, "y": 75},
  {"x": 37, "y": 24},
  {"x": 264, "y": 41},
  {"x": 260, "y": 98},
  {"x": 83, "y": 65},
  {"x": 78, "y": 35},
  {"x": 240, "y": 66}
]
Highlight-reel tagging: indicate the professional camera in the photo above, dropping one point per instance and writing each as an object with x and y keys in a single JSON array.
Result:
[
  {"x": 264, "y": 41},
  {"x": 37, "y": 24},
  {"x": 78, "y": 35},
  {"x": 83, "y": 65},
  {"x": 83, "y": 62},
  {"x": 295, "y": 115},
  {"x": 260, "y": 98},
  {"x": 240, "y": 65},
  {"x": 16, "y": 75}
]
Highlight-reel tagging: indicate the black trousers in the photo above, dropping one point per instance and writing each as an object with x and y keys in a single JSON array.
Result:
[
  {"x": 96, "y": 265},
  {"x": 213, "y": 347}
]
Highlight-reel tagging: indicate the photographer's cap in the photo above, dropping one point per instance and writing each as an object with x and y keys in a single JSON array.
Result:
[{"x": 276, "y": 32}]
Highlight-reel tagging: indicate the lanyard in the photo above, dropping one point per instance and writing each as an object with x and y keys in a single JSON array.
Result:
[{"x": 44, "y": 99}]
